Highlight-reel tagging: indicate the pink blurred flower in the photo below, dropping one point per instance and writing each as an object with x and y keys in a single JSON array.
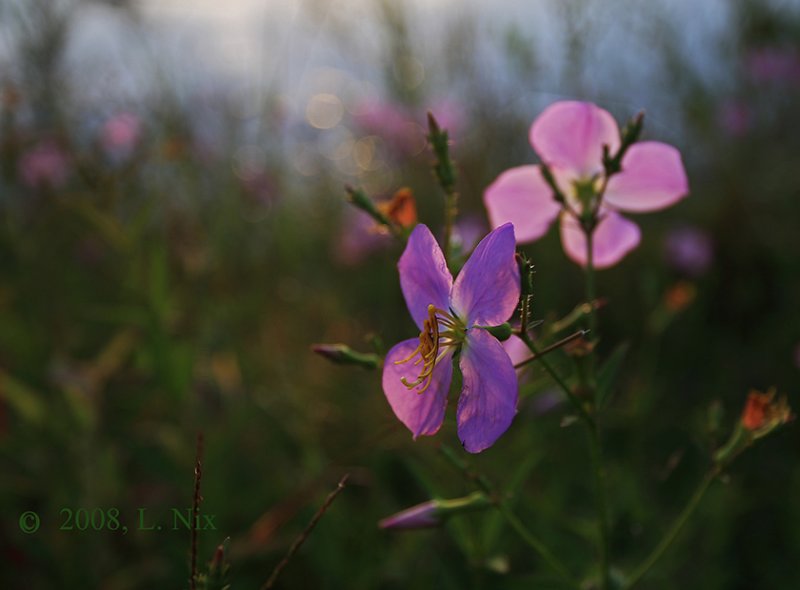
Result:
[
  {"x": 391, "y": 122},
  {"x": 121, "y": 133},
  {"x": 569, "y": 137},
  {"x": 773, "y": 64},
  {"x": 689, "y": 250},
  {"x": 360, "y": 236},
  {"x": 46, "y": 165}
]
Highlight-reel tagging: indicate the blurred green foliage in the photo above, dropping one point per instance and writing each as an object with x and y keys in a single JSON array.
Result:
[{"x": 175, "y": 284}]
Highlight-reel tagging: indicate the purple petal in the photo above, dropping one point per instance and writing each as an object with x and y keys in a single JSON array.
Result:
[
  {"x": 613, "y": 238},
  {"x": 422, "y": 413},
  {"x": 521, "y": 196},
  {"x": 424, "y": 277},
  {"x": 488, "y": 399},
  {"x": 571, "y": 135},
  {"x": 652, "y": 178},
  {"x": 486, "y": 290}
]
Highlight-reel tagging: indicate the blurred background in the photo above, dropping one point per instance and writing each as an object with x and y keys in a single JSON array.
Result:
[{"x": 174, "y": 237}]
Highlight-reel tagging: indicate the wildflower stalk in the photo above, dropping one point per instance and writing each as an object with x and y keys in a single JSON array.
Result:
[
  {"x": 675, "y": 529},
  {"x": 595, "y": 446},
  {"x": 444, "y": 170},
  {"x": 502, "y": 506}
]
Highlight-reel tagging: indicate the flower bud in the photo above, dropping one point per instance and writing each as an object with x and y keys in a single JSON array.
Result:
[
  {"x": 341, "y": 354},
  {"x": 433, "y": 513},
  {"x": 762, "y": 415}
]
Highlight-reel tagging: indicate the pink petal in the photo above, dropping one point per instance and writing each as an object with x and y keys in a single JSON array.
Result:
[
  {"x": 613, "y": 238},
  {"x": 422, "y": 413},
  {"x": 521, "y": 196},
  {"x": 516, "y": 349},
  {"x": 424, "y": 277},
  {"x": 571, "y": 135},
  {"x": 488, "y": 399},
  {"x": 652, "y": 178},
  {"x": 486, "y": 291}
]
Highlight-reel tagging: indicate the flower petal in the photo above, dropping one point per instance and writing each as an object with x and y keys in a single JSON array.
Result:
[
  {"x": 613, "y": 238},
  {"x": 486, "y": 290},
  {"x": 516, "y": 349},
  {"x": 488, "y": 399},
  {"x": 424, "y": 277},
  {"x": 422, "y": 413},
  {"x": 652, "y": 178},
  {"x": 521, "y": 196},
  {"x": 571, "y": 135}
]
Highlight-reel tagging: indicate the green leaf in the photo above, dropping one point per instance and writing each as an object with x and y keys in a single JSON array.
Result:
[{"x": 24, "y": 400}]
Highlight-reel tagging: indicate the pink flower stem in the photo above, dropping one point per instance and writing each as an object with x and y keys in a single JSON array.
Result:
[{"x": 595, "y": 446}]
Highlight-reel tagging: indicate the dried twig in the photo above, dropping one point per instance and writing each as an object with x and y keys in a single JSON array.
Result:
[
  {"x": 196, "y": 499},
  {"x": 298, "y": 542}
]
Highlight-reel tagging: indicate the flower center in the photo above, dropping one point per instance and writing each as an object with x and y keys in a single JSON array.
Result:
[{"x": 440, "y": 331}]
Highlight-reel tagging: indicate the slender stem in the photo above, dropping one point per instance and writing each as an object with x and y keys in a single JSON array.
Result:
[
  {"x": 596, "y": 451},
  {"x": 574, "y": 400},
  {"x": 503, "y": 508},
  {"x": 534, "y": 542},
  {"x": 590, "y": 297},
  {"x": 674, "y": 530},
  {"x": 298, "y": 542},
  {"x": 594, "y": 435},
  {"x": 551, "y": 348},
  {"x": 450, "y": 212},
  {"x": 196, "y": 499}
]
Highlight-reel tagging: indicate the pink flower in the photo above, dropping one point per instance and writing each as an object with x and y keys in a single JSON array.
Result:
[
  {"x": 453, "y": 317},
  {"x": 569, "y": 138},
  {"x": 121, "y": 132},
  {"x": 393, "y": 123},
  {"x": 44, "y": 166}
]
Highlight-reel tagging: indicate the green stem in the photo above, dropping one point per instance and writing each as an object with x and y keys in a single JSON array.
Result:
[
  {"x": 596, "y": 451},
  {"x": 590, "y": 297},
  {"x": 574, "y": 400},
  {"x": 502, "y": 507},
  {"x": 450, "y": 212},
  {"x": 674, "y": 530},
  {"x": 594, "y": 435},
  {"x": 535, "y": 544}
]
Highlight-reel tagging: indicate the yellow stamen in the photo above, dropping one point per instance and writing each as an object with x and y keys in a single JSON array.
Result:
[{"x": 432, "y": 345}]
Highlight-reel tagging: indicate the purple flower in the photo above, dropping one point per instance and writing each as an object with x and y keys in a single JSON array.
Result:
[
  {"x": 689, "y": 250},
  {"x": 569, "y": 137},
  {"x": 452, "y": 316}
]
